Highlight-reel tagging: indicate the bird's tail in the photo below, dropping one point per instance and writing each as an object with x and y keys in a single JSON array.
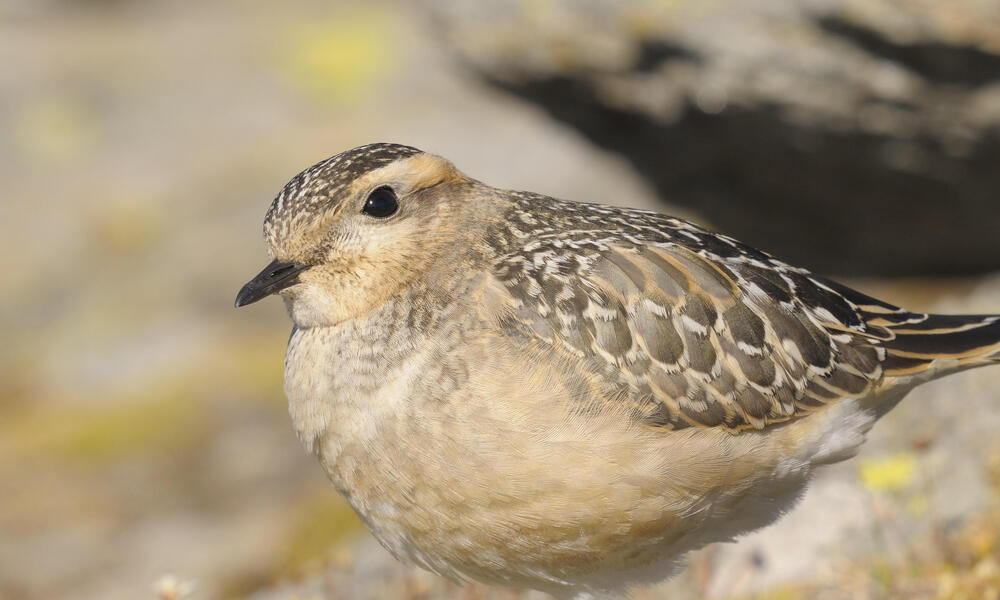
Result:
[{"x": 931, "y": 346}]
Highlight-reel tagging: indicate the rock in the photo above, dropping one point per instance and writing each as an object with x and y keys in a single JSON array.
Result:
[{"x": 853, "y": 138}]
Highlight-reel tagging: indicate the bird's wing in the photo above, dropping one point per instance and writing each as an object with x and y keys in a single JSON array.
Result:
[{"x": 700, "y": 329}]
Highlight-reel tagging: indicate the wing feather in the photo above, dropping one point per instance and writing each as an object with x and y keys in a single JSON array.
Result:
[{"x": 701, "y": 330}]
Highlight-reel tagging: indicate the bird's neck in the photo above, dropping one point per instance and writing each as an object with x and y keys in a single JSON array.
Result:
[{"x": 332, "y": 373}]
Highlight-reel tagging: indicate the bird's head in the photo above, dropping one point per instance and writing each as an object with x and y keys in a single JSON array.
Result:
[{"x": 351, "y": 231}]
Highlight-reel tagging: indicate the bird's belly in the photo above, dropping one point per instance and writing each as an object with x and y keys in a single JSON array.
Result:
[
  {"x": 481, "y": 499},
  {"x": 467, "y": 511}
]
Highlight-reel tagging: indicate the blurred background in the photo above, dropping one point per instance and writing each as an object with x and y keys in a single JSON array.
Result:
[{"x": 145, "y": 449}]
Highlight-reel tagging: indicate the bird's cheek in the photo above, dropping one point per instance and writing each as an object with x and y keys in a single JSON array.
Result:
[{"x": 313, "y": 306}]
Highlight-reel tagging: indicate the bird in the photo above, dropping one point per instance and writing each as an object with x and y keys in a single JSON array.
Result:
[{"x": 545, "y": 394}]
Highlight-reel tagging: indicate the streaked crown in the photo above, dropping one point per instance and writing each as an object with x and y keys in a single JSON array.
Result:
[{"x": 315, "y": 190}]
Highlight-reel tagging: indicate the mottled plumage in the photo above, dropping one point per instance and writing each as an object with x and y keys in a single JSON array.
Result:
[
  {"x": 563, "y": 396},
  {"x": 702, "y": 329}
]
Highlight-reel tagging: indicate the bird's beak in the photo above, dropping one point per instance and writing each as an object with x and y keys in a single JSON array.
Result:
[{"x": 274, "y": 278}]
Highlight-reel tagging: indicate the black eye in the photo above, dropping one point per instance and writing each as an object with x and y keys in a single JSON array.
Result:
[{"x": 381, "y": 203}]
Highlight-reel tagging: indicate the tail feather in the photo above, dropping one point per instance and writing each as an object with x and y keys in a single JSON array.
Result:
[
  {"x": 917, "y": 343},
  {"x": 944, "y": 343}
]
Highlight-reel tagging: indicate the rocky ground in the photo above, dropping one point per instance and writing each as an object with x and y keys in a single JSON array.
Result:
[
  {"x": 768, "y": 115},
  {"x": 142, "y": 427}
]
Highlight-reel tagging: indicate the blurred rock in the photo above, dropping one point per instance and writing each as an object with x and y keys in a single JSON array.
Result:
[{"x": 850, "y": 137}]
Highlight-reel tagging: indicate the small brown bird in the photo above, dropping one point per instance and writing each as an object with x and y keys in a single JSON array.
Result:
[{"x": 567, "y": 397}]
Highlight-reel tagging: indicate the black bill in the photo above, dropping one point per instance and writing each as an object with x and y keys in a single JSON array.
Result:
[{"x": 274, "y": 278}]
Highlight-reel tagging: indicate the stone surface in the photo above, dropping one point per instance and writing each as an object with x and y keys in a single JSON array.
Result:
[{"x": 851, "y": 137}]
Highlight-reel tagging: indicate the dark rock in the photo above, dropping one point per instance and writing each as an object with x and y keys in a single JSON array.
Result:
[{"x": 863, "y": 144}]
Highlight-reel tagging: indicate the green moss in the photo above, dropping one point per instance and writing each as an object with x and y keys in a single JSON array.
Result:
[
  {"x": 341, "y": 58},
  {"x": 321, "y": 521},
  {"x": 256, "y": 367},
  {"x": 163, "y": 415},
  {"x": 57, "y": 128},
  {"x": 128, "y": 225},
  {"x": 163, "y": 423},
  {"x": 888, "y": 473}
]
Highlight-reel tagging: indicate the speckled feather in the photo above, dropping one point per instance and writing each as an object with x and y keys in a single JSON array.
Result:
[
  {"x": 314, "y": 190},
  {"x": 702, "y": 329}
]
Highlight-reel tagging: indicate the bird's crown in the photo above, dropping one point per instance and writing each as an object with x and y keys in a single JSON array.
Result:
[{"x": 317, "y": 189}]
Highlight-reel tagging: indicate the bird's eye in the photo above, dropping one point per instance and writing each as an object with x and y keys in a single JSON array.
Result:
[{"x": 381, "y": 203}]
